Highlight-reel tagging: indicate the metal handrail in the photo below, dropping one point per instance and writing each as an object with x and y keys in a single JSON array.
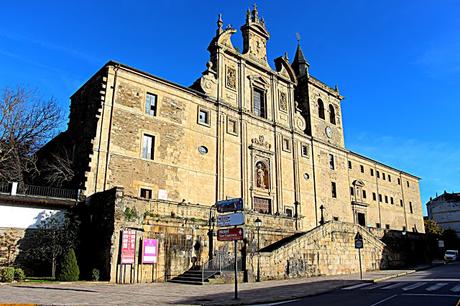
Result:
[
  {"x": 220, "y": 263},
  {"x": 42, "y": 191}
]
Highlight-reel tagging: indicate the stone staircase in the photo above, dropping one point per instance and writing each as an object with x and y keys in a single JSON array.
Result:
[{"x": 194, "y": 276}]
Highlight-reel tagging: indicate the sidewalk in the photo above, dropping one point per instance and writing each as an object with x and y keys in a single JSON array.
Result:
[{"x": 169, "y": 293}]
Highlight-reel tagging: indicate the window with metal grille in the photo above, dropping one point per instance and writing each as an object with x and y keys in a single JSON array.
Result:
[{"x": 259, "y": 103}]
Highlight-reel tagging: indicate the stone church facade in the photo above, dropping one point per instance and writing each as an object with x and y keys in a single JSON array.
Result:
[{"x": 271, "y": 136}]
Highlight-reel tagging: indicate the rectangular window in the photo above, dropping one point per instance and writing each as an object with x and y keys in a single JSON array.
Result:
[
  {"x": 386, "y": 199},
  {"x": 349, "y": 165},
  {"x": 387, "y": 226},
  {"x": 333, "y": 190},
  {"x": 304, "y": 150},
  {"x": 401, "y": 203},
  {"x": 399, "y": 181},
  {"x": 262, "y": 205},
  {"x": 148, "y": 145},
  {"x": 232, "y": 127},
  {"x": 331, "y": 162},
  {"x": 286, "y": 145},
  {"x": 410, "y": 208},
  {"x": 391, "y": 200},
  {"x": 372, "y": 172},
  {"x": 377, "y": 225},
  {"x": 389, "y": 178},
  {"x": 203, "y": 117},
  {"x": 378, "y": 174},
  {"x": 407, "y": 183},
  {"x": 364, "y": 194},
  {"x": 383, "y": 175},
  {"x": 151, "y": 104},
  {"x": 259, "y": 103},
  {"x": 289, "y": 212},
  {"x": 374, "y": 196},
  {"x": 146, "y": 193},
  {"x": 362, "y": 168},
  {"x": 335, "y": 218},
  {"x": 352, "y": 191},
  {"x": 380, "y": 198}
]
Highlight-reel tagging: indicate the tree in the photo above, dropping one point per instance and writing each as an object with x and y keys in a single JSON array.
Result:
[
  {"x": 432, "y": 228},
  {"x": 69, "y": 267},
  {"x": 26, "y": 123},
  {"x": 55, "y": 236}
]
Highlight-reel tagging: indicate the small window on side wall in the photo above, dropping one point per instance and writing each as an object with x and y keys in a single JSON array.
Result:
[
  {"x": 289, "y": 212},
  {"x": 304, "y": 150},
  {"x": 259, "y": 103},
  {"x": 331, "y": 114},
  {"x": 321, "y": 109},
  {"x": 151, "y": 104},
  {"x": 146, "y": 193},
  {"x": 148, "y": 146},
  {"x": 204, "y": 117},
  {"x": 286, "y": 144},
  {"x": 232, "y": 127}
]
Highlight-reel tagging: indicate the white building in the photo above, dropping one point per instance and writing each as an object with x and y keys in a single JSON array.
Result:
[{"x": 445, "y": 210}]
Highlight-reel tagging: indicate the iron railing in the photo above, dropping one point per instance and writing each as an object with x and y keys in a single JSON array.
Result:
[
  {"x": 40, "y": 191},
  {"x": 220, "y": 263}
]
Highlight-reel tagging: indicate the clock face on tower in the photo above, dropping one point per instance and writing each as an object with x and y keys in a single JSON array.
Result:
[{"x": 328, "y": 132}]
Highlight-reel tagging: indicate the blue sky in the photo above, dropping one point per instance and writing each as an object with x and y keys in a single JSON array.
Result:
[{"x": 396, "y": 62}]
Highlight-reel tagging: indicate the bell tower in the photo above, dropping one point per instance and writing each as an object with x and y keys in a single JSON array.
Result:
[{"x": 255, "y": 37}]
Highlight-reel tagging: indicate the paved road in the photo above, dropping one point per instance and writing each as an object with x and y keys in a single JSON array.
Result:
[{"x": 437, "y": 286}]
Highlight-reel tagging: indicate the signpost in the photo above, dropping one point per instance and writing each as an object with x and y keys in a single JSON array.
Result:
[
  {"x": 128, "y": 244},
  {"x": 150, "y": 251},
  {"x": 231, "y": 205},
  {"x": 359, "y": 245},
  {"x": 231, "y": 234},
  {"x": 230, "y": 219}
]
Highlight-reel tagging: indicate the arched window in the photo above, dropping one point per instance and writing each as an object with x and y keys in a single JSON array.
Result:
[
  {"x": 321, "y": 109},
  {"x": 331, "y": 114}
]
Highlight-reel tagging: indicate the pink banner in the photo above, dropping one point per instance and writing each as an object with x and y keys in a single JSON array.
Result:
[
  {"x": 128, "y": 245},
  {"x": 150, "y": 251}
]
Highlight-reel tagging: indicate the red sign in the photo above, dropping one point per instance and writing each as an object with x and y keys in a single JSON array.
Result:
[
  {"x": 230, "y": 234},
  {"x": 128, "y": 245}
]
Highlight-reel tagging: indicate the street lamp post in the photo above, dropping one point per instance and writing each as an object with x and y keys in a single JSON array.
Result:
[
  {"x": 321, "y": 222},
  {"x": 258, "y": 223}
]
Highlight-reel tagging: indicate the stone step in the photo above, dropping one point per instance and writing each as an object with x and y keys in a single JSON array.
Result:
[{"x": 188, "y": 282}]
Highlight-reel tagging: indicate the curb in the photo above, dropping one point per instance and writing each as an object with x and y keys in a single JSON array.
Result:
[{"x": 377, "y": 280}]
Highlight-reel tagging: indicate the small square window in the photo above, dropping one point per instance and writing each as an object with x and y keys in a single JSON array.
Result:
[
  {"x": 203, "y": 117},
  {"x": 304, "y": 150},
  {"x": 349, "y": 165},
  {"x": 335, "y": 218},
  {"x": 362, "y": 168},
  {"x": 377, "y": 225},
  {"x": 151, "y": 104},
  {"x": 146, "y": 193},
  {"x": 289, "y": 212},
  {"x": 387, "y": 226},
  {"x": 286, "y": 144},
  {"x": 331, "y": 162},
  {"x": 334, "y": 190},
  {"x": 232, "y": 127}
]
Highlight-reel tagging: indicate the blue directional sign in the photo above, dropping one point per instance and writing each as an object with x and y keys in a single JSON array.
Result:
[{"x": 229, "y": 205}]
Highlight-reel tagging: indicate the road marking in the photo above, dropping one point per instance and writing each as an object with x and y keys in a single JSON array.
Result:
[
  {"x": 379, "y": 285},
  {"x": 413, "y": 286},
  {"x": 431, "y": 294},
  {"x": 356, "y": 286},
  {"x": 455, "y": 289},
  {"x": 393, "y": 286},
  {"x": 435, "y": 286},
  {"x": 384, "y": 300},
  {"x": 276, "y": 303}
]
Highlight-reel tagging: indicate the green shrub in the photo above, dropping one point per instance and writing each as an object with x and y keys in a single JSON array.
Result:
[
  {"x": 69, "y": 267},
  {"x": 95, "y": 274},
  {"x": 6, "y": 274},
  {"x": 19, "y": 274}
]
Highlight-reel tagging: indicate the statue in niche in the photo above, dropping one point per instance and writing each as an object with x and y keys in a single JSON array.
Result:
[{"x": 261, "y": 175}]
